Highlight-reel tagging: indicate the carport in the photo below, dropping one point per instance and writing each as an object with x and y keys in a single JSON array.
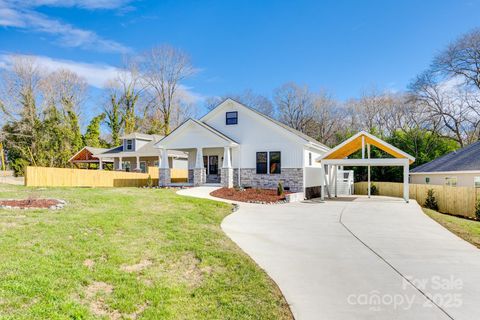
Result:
[{"x": 338, "y": 156}]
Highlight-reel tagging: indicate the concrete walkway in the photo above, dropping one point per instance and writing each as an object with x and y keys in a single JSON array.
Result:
[{"x": 359, "y": 258}]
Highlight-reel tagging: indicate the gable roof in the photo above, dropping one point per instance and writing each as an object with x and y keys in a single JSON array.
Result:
[
  {"x": 212, "y": 131},
  {"x": 141, "y": 136},
  {"x": 278, "y": 123},
  {"x": 465, "y": 159},
  {"x": 354, "y": 144},
  {"x": 147, "y": 150},
  {"x": 91, "y": 150}
]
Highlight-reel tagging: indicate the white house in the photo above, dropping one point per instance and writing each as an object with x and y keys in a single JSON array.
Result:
[{"x": 235, "y": 145}]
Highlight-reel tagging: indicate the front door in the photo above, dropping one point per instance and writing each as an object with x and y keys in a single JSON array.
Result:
[{"x": 213, "y": 165}]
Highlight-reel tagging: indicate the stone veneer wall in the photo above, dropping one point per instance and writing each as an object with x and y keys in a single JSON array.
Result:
[
  {"x": 291, "y": 177},
  {"x": 190, "y": 175}
]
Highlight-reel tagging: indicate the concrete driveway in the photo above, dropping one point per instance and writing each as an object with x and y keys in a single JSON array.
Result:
[{"x": 359, "y": 258}]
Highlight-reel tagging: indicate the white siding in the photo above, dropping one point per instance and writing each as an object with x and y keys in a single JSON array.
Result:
[
  {"x": 255, "y": 133},
  {"x": 463, "y": 179}
]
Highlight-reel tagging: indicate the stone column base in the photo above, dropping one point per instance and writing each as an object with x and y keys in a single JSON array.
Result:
[
  {"x": 164, "y": 177},
  {"x": 226, "y": 177},
  {"x": 199, "y": 176}
]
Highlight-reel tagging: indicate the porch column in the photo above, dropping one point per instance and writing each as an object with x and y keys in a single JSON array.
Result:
[
  {"x": 138, "y": 164},
  {"x": 199, "y": 175},
  {"x": 120, "y": 164},
  {"x": 227, "y": 170},
  {"x": 100, "y": 164},
  {"x": 164, "y": 171},
  {"x": 406, "y": 193},
  {"x": 159, "y": 161}
]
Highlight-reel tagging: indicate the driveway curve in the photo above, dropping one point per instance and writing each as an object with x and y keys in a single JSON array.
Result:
[{"x": 358, "y": 258}]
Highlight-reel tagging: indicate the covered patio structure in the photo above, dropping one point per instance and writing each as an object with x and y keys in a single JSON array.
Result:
[
  {"x": 338, "y": 156},
  {"x": 210, "y": 154}
]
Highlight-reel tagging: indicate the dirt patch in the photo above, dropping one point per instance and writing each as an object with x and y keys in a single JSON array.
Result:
[
  {"x": 136, "y": 267},
  {"x": 89, "y": 263},
  {"x": 187, "y": 269},
  {"x": 249, "y": 195},
  {"x": 31, "y": 203},
  {"x": 95, "y": 295}
]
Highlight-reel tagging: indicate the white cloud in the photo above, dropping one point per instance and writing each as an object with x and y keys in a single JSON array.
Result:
[
  {"x": 22, "y": 16},
  {"x": 97, "y": 75},
  {"x": 85, "y": 4}
]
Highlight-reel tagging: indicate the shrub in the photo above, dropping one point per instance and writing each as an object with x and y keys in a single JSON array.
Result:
[
  {"x": 373, "y": 190},
  {"x": 149, "y": 181},
  {"x": 477, "y": 209},
  {"x": 431, "y": 201},
  {"x": 280, "y": 190}
]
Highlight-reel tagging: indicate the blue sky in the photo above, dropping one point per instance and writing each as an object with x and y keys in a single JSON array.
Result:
[{"x": 342, "y": 46}]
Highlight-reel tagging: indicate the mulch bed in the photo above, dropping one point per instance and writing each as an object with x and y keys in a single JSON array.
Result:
[
  {"x": 249, "y": 195},
  {"x": 31, "y": 203}
]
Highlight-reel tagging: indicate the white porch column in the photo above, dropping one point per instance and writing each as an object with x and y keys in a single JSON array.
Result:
[
  {"x": 138, "y": 164},
  {"x": 160, "y": 161},
  {"x": 406, "y": 194},
  {"x": 227, "y": 161},
  {"x": 164, "y": 159},
  {"x": 100, "y": 164},
  {"x": 164, "y": 171},
  {"x": 199, "y": 159},
  {"x": 226, "y": 177},
  {"x": 120, "y": 164}
]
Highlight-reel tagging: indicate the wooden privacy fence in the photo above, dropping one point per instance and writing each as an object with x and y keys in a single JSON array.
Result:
[
  {"x": 63, "y": 177},
  {"x": 176, "y": 175},
  {"x": 453, "y": 200}
]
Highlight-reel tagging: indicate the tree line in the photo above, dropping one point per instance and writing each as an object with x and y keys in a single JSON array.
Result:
[{"x": 439, "y": 112}]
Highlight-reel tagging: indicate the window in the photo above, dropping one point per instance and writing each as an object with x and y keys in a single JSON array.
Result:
[
  {"x": 232, "y": 117},
  {"x": 129, "y": 144},
  {"x": 309, "y": 158},
  {"x": 262, "y": 162},
  {"x": 126, "y": 166},
  {"x": 275, "y": 162},
  {"x": 451, "y": 181},
  {"x": 427, "y": 180},
  {"x": 476, "y": 182}
]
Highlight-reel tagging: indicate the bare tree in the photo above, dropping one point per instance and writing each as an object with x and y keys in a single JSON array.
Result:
[
  {"x": 163, "y": 69},
  {"x": 462, "y": 59},
  {"x": 295, "y": 106},
  {"x": 448, "y": 102},
  {"x": 65, "y": 90}
]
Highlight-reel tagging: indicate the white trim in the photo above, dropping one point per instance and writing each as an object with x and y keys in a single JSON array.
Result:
[
  {"x": 379, "y": 162},
  {"x": 446, "y": 172},
  {"x": 341, "y": 145}
]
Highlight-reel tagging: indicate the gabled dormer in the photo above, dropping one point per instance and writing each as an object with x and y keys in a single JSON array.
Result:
[{"x": 135, "y": 141}]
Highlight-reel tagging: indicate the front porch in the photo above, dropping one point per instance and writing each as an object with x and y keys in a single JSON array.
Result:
[{"x": 206, "y": 166}]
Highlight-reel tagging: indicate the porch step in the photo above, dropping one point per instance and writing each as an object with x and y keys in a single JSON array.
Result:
[{"x": 213, "y": 178}]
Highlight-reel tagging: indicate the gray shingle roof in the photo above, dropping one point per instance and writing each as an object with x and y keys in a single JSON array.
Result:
[
  {"x": 465, "y": 159},
  {"x": 145, "y": 151}
]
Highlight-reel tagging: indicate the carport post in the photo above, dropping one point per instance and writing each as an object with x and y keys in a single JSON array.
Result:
[
  {"x": 368, "y": 169},
  {"x": 335, "y": 172},
  {"x": 406, "y": 194},
  {"x": 322, "y": 181}
]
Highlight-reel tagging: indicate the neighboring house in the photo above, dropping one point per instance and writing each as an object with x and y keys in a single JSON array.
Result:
[
  {"x": 85, "y": 158},
  {"x": 459, "y": 168},
  {"x": 137, "y": 153},
  {"x": 235, "y": 145}
]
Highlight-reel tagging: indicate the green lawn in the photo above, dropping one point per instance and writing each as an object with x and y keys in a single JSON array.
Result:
[
  {"x": 127, "y": 253},
  {"x": 466, "y": 229}
]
